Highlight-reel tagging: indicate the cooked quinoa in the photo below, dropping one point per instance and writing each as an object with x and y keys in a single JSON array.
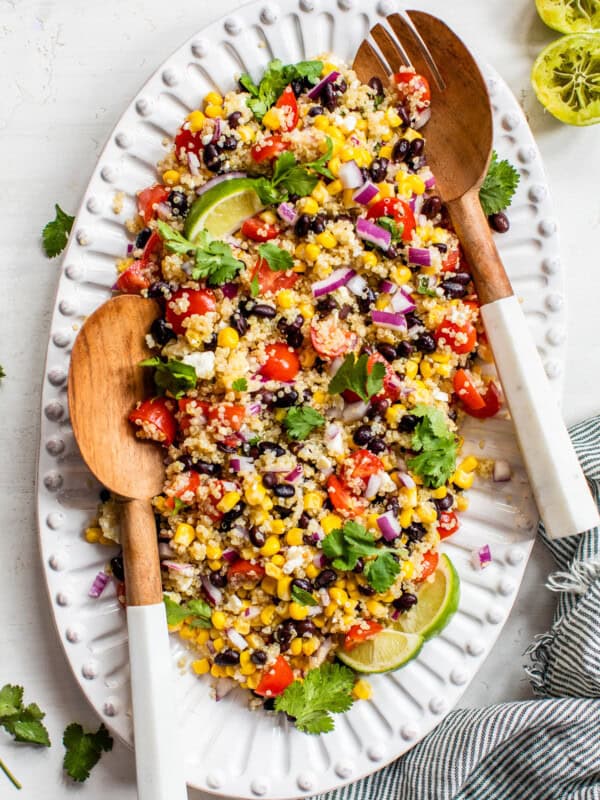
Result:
[{"x": 249, "y": 500}]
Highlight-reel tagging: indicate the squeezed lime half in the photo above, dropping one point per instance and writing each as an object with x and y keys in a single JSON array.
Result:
[{"x": 570, "y": 16}]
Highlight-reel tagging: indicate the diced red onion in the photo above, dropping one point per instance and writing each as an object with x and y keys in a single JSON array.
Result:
[
  {"x": 354, "y": 411},
  {"x": 295, "y": 474},
  {"x": 502, "y": 471},
  {"x": 163, "y": 210},
  {"x": 236, "y": 639},
  {"x": 331, "y": 431},
  {"x": 369, "y": 232},
  {"x": 481, "y": 557},
  {"x": 350, "y": 175},
  {"x": 222, "y": 688},
  {"x": 226, "y": 176},
  {"x": 402, "y": 303},
  {"x": 365, "y": 193},
  {"x": 387, "y": 287},
  {"x": 430, "y": 182},
  {"x": 230, "y": 290},
  {"x": 210, "y": 647},
  {"x": 357, "y": 285},
  {"x": 389, "y": 319},
  {"x": 317, "y": 536},
  {"x": 98, "y": 585},
  {"x": 251, "y": 612},
  {"x": 241, "y": 464},
  {"x": 287, "y": 213},
  {"x": 230, "y": 555},
  {"x": 230, "y": 486},
  {"x": 389, "y": 526},
  {"x": 165, "y": 550},
  {"x": 213, "y": 595},
  {"x": 422, "y": 118},
  {"x": 254, "y": 408},
  {"x": 354, "y": 140},
  {"x": 129, "y": 248},
  {"x": 406, "y": 480},
  {"x": 338, "y": 278},
  {"x": 395, "y": 614},
  {"x": 420, "y": 256},
  {"x": 373, "y": 485},
  {"x": 193, "y": 163},
  {"x": 416, "y": 203},
  {"x": 216, "y": 131},
  {"x": 318, "y": 88},
  {"x": 178, "y": 566},
  {"x": 320, "y": 560}
]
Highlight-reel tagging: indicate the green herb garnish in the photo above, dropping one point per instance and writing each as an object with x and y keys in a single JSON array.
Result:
[
  {"x": 424, "y": 286},
  {"x": 302, "y": 420},
  {"x": 239, "y": 385},
  {"x": 353, "y": 375},
  {"x": 277, "y": 258},
  {"x": 198, "y": 610},
  {"x": 24, "y": 723},
  {"x": 275, "y": 79},
  {"x": 56, "y": 233},
  {"x": 254, "y": 286},
  {"x": 389, "y": 224},
  {"x": 436, "y": 447},
  {"x": 213, "y": 260},
  {"x": 289, "y": 177},
  {"x": 84, "y": 750},
  {"x": 499, "y": 186},
  {"x": 324, "y": 691},
  {"x": 303, "y": 597},
  {"x": 171, "y": 376}
]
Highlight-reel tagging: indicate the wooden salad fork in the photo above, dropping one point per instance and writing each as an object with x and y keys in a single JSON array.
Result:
[{"x": 459, "y": 147}]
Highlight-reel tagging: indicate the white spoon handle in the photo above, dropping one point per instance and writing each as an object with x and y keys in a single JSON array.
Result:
[
  {"x": 158, "y": 761},
  {"x": 559, "y": 486}
]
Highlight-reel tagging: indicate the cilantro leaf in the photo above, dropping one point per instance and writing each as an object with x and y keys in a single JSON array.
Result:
[
  {"x": 254, "y": 286},
  {"x": 24, "y": 723},
  {"x": 382, "y": 571},
  {"x": 11, "y": 700},
  {"x": 197, "y": 609},
  {"x": 424, "y": 286},
  {"x": 499, "y": 186},
  {"x": 83, "y": 750},
  {"x": 278, "y": 259},
  {"x": 213, "y": 260},
  {"x": 172, "y": 376},
  {"x": 353, "y": 375},
  {"x": 275, "y": 79},
  {"x": 301, "y": 420},
  {"x": 56, "y": 233},
  {"x": 303, "y": 597},
  {"x": 436, "y": 447},
  {"x": 390, "y": 224},
  {"x": 239, "y": 385},
  {"x": 268, "y": 193},
  {"x": 346, "y": 545},
  {"x": 319, "y": 165},
  {"x": 325, "y": 691}
]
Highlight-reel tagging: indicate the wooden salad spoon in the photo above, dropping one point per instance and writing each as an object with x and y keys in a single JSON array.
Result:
[
  {"x": 105, "y": 382},
  {"x": 459, "y": 147}
]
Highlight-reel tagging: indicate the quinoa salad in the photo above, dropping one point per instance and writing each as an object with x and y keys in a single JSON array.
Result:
[{"x": 318, "y": 341}]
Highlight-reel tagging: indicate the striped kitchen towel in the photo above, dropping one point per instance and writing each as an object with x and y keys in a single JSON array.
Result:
[{"x": 546, "y": 749}]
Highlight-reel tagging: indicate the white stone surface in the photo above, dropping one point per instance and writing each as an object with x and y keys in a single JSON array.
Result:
[{"x": 69, "y": 69}]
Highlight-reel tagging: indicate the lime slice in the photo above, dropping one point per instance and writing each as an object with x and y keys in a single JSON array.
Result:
[
  {"x": 570, "y": 16},
  {"x": 387, "y": 651},
  {"x": 437, "y": 602},
  {"x": 566, "y": 78},
  {"x": 222, "y": 209}
]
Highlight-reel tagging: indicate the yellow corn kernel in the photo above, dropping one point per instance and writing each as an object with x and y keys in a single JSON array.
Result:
[
  {"x": 186, "y": 632},
  {"x": 228, "y": 337},
  {"x": 376, "y": 609},
  {"x": 348, "y": 198},
  {"x": 185, "y": 534},
  {"x": 300, "y": 251},
  {"x": 308, "y": 205},
  {"x": 196, "y": 120},
  {"x": 227, "y": 502},
  {"x": 331, "y": 609},
  {"x": 278, "y": 560},
  {"x": 255, "y": 492},
  {"x": 213, "y": 112},
  {"x": 246, "y": 133},
  {"x": 293, "y": 537},
  {"x": 462, "y": 503},
  {"x": 417, "y": 184},
  {"x": 335, "y": 187},
  {"x": 214, "y": 98},
  {"x": 311, "y": 571},
  {"x": 284, "y": 299},
  {"x": 407, "y": 570},
  {"x": 328, "y": 67},
  {"x": 309, "y": 646},
  {"x": 439, "y": 493},
  {"x": 267, "y": 504},
  {"x": 347, "y": 153},
  {"x": 218, "y": 672},
  {"x": 313, "y": 251},
  {"x": 254, "y": 641},
  {"x": 272, "y": 570},
  {"x": 296, "y": 647},
  {"x": 411, "y": 369},
  {"x": 201, "y": 666},
  {"x": 401, "y": 275},
  {"x": 218, "y": 644},
  {"x": 313, "y": 501},
  {"x": 372, "y": 522},
  {"x": 93, "y": 534},
  {"x": 334, "y": 165},
  {"x": 393, "y": 118},
  {"x": 297, "y": 611},
  {"x": 362, "y": 690},
  {"x": 408, "y": 497},
  {"x": 242, "y": 626},
  {"x": 320, "y": 193},
  {"x": 272, "y": 119},
  {"x": 386, "y": 190},
  {"x": 426, "y": 513},
  {"x": 269, "y": 585},
  {"x": 394, "y": 413},
  {"x": 463, "y": 479},
  {"x": 369, "y": 258},
  {"x": 245, "y": 657},
  {"x": 330, "y": 522},
  {"x": 321, "y": 123},
  {"x": 277, "y": 527},
  {"x": 306, "y": 310},
  {"x": 382, "y": 301},
  {"x": 253, "y": 680},
  {"x": 283, "y": 587},
  {"x": 405, "y": 517},
  {"x": 469, "y": 464},
  {"x": 363, "y": 157},
  {"x": 218, "y": 619},
  {"x": 320, "y": 397},
  {"x": 445, "y": 370},
  {"x": 279, "y": 416},
  {"x": 339, "y": 596},
  {"x": 170, "y": 177},
  {"x": 386, "y": 134},
  {"x": 270, "y": 547},
  {"x": 215, "y": 564},
  {"x": 411, "y": 134},
  {"x": 202, "y": 635},
  {"x": 267, "y": 614},
  {"x": 258, "y": 517},
  {"x": 426, "y": 368},
  {"x": 385, "y": 151},
  {"x": 248, "y": 669},
  {"x": 327, "y": 239}
]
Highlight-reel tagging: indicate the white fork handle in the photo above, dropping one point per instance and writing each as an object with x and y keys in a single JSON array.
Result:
[
  {"x": 158, "y": 761},
  {"x": 562, "y": 495}
]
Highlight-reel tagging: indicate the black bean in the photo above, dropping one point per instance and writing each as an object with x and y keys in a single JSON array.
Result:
[
  {"x": 303, "y": 520},
  {"x": 393, "y": 505},
  {"x": 158, "y": 289},
  {"x": 444, "y": 503},
  {"x": 178, "y": 202},
  {"x": 246, "y": 307},
  {"x": 325, "y": 579},
  {"x": 142, "y": 237},
  {"x": 284, "y": 490},
  {"x": 431, "y": 207},
  {"x": 366, "y": 590},
  {"x": 362, "y": 435},
  {"x": 416, "y": 148},
  {"x": 212, "y": 160},
  {"x": 269, "y": 703},
  {"x": 302, "y": 226},
  {"x": 376, "y": 445},
  {"x": 378, "y": 169},
  {"x": 266, "y": 396},
  {"x": 273, "y": 447},
  {"x": 415, "y": 532},
  {"x": 327, "y": 304},
  {"x": 104, "y": 495},
  {"x": 218, "y": 579},
  {"x": 161, "y": 332},
  {"x": 425, "y": 343},
  {"x": 345, "y": 311},
  {"x": 186, "y": 461},
  {"x": 116, "y": 565},
  {"x": 227, "y": 658},
  {"x": 359, "y": 566},
  {"x": 405, "y": 602},
  {"x": 453, "y": 289},
  {"x": 297, "y": 86},
  {"x": 257, "y": 537},
  {"x": 340, "y": 86},
  {"x": 408, "y": 423},
  {"x": 302, "y": 583},
  {"x": 412, "y": 320},
  {"x": 258, "y": 657},
  {"x": 377, "y": 86},
  {"x": 294, "y": 338},
  {"x": 404, "y": 115},
  {"x": 392, "y": 251},
  {"x": 328, "y": 97},
  {"x": 285, "y": 632},
  {"x": 317, "y": 224},
  {"x": 233, "y": 120},
  {"x": 388, "y": 351},
  {"x": 366, "y": 300},
  {"x": 229, "y": 517},
  {"x": 315, "y": 111},
  {"x": 270, "y": 479},
  {"x": 282, "y": 512},
  {"x": 226, "y": 448},
  {"x": 499, "y": 222},
  {"x": 238, "y": 323},
  {"x": 400, "y": 150},
  {"x": 306, "y": 627},
  {"x": 404, "y": 349},
  {"x": 229, "y": 143},
  {"x": 207, "y": 468},
  {"x": 285, "y": 398},
  {"x": 443, "y": 248},
  {"x": 378, "y": 407},
  {"x": 211, "y": 344},
  {"x": 264, "y": 311}
]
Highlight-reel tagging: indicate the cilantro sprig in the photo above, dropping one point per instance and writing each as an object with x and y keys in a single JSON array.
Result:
[
  {"x": 213, "y": 260},
  {"x": 396, "y": 229},
  {"x": 346, "y": 545},
  {"x": 302, "y": 420},
  {"x": 239, "y": 385},
  {"x": 22, "y": 722},
  {"x": 436, "y": 447},
  {"x": 424, "y": 286},
  {"x": 171, "y": 376},
  {"x": 499, "y": 186},
  {"x": 83, "y": 750},
  {"x": 324, "y": 691},
  {"x": 290, "y": 177},
  {"x": 277, "y": 76},
  {"x": 302, "y": 597},
  {"x": 197, "y": 610},
  {"x": 56, "y": 233},
  {"x": 354, "y": 375},
  {"x": 278, "y": 259}
]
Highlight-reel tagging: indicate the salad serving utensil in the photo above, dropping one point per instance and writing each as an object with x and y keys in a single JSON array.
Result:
[
  {"x": 459, "y": 148},
  {"x": 105, "y": 382}
]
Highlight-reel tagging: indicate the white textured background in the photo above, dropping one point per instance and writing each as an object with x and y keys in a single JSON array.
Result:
[{"x": 68, "y": 68}]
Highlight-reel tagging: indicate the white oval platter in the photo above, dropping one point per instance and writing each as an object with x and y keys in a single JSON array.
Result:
[{"x": 230, "y": 750}]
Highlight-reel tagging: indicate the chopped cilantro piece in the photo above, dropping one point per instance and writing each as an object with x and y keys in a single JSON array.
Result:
[
  {"x": 239, "y": 385},
  {"x": 278, "y": 259},
  {"x": 353, "y": 375},
  {"x": 275, "y": 79},
  {"x": 213, "y": 260},
  {"x": 324, "y": 691},
  {"x": 435, "y": 445},
  {"x": 171, "y": 376},
  {"x": 499, "y": 186},
  {"x": 302, "y": 420},
  {"x": 83, "y": 750},
  {"x": 56, "y": 233},
  {"x": 303, "y": 597}
]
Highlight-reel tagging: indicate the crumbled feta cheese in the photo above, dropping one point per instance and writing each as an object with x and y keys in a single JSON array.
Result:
[{"x": 203, "y": 363}]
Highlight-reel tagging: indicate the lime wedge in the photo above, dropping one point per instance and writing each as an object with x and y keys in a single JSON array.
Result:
[
  {"x": 566, "y": 78},
  {"x": 570, "y": 16},
  {"x": 437, "y": 602},
  {"x": 222, "y": 209},
  {"x": 387, "y": 651}
]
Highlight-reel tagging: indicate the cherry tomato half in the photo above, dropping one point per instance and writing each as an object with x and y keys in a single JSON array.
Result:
[
  {"x": 242, "y": 570},
  {"x": 186, "y": 482},
  {"x": 275, "y": 679},
  {"x": 287, "y": 101},
  {"x": 150, "y": 197},
  {"x": 491, "y": 403},
  {"x": 429, "y": 564},
  {"x": 282, "y": 364},
  {"x": 188, "y": 141},
  {"x": 459, "y": 338},
  {"x": 155, "y": 420},
  {"x": 342, "y": 500},
  {"x": 357, "y": 634},
  {"x": 134, "y": 279},
  {"x": 271, "y": 282},
  {"x": 257, "y": 230},
  {"x": 447, "y": 524},
  {"x": 358, "y": 468},
  {"x": 409, "y": 83},
  {"x": 200, "y": 301},
  {"x": 466, "y": 391},
  {"x": 270, "y": 148},
  {"x": 230, "y": 415},
  {"x": 330, "y": 338},
  {"x": 400, "y": 212}
]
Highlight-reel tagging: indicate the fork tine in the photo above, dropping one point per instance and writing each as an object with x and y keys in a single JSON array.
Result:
[
  {"x": 419, "y": 54},
  {"x": 392, "y": 50},
  {"x": 367, "y": 54}
]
